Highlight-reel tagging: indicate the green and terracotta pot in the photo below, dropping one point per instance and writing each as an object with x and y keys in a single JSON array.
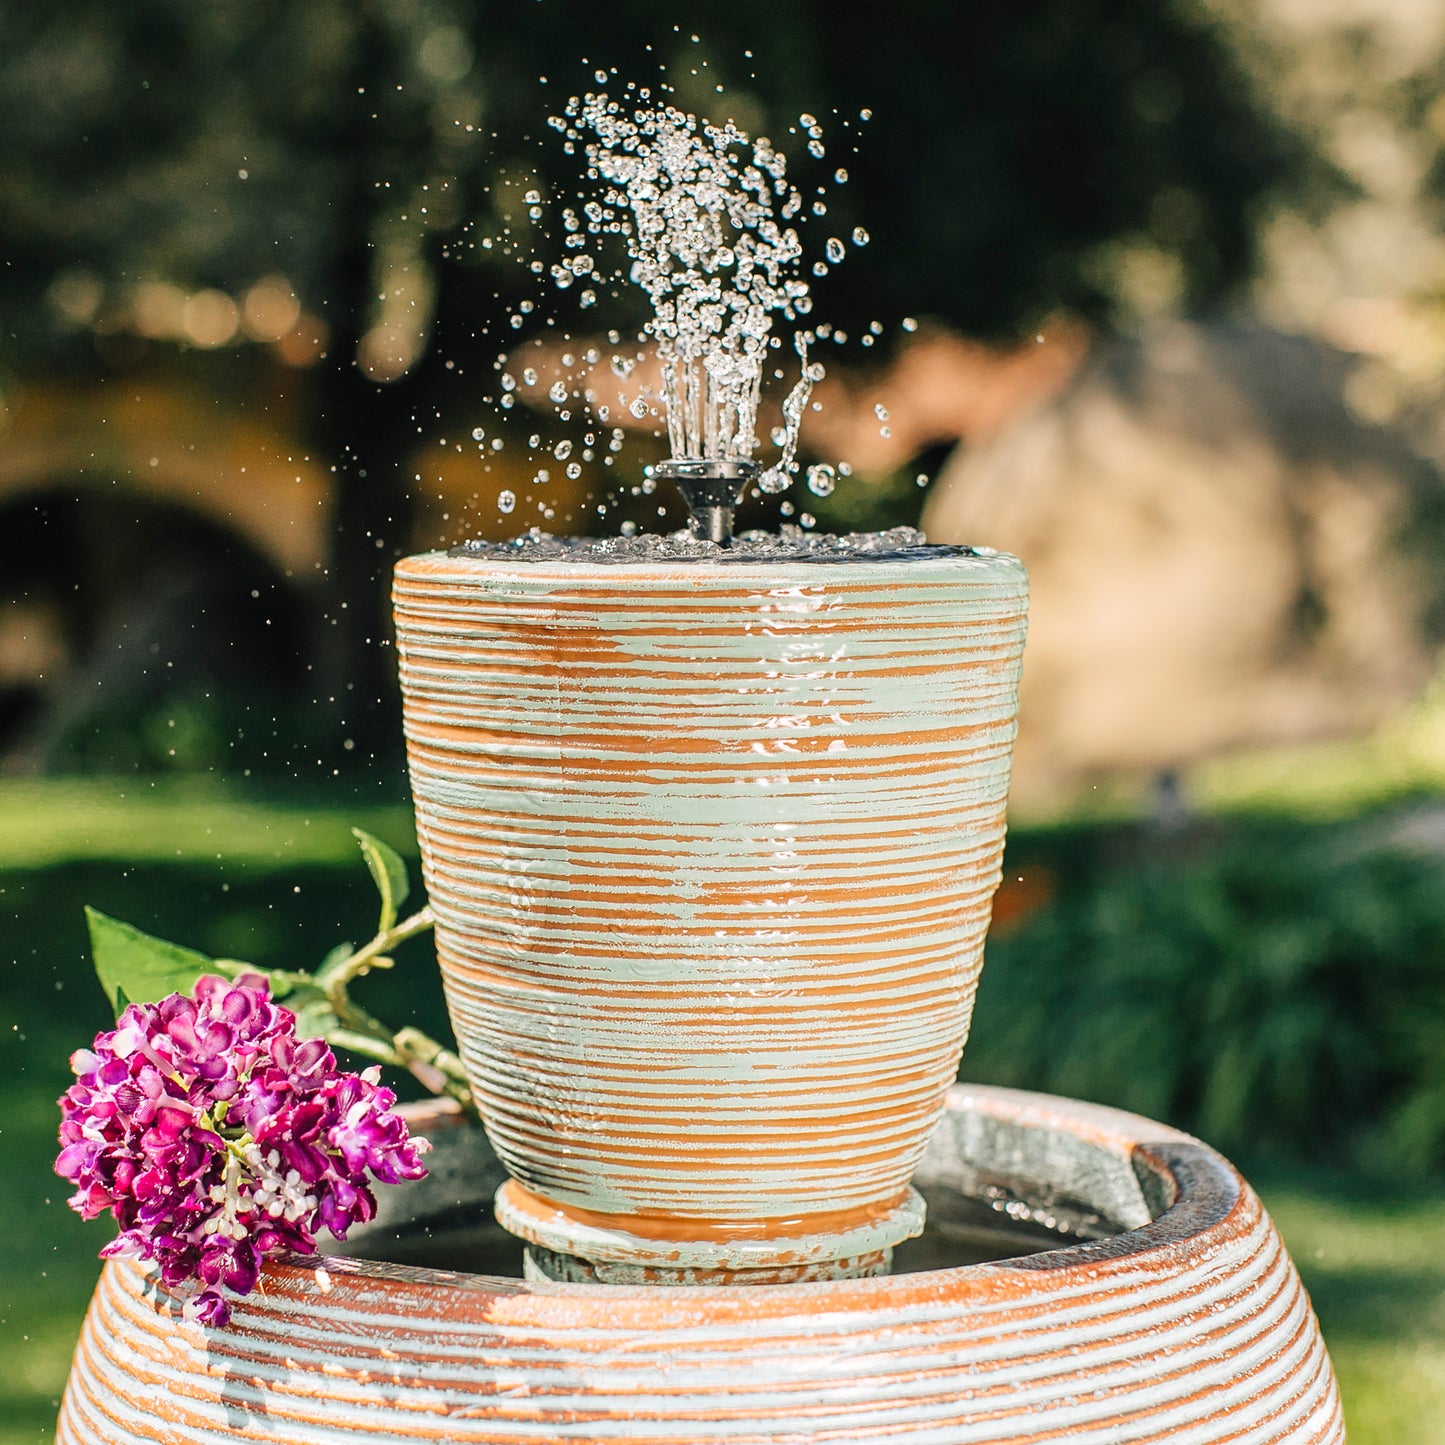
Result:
[{"x": 712, "y": 849}]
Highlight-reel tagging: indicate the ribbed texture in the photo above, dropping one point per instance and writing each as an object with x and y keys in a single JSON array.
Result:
[
  {"x": 712, "y": 852},
  {"x": 1192, "y": 1330}
]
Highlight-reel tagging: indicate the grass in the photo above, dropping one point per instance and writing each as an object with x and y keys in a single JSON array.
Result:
[
  {"x": 279, "y": 879},
  {"x": 1374, "y": 1265},
  {"x": 194, "y": 820}
]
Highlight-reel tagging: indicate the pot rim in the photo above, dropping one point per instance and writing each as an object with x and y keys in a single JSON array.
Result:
[
  {"x": 719, "y": 574},
  {"x": 1206, "y": 1205}
]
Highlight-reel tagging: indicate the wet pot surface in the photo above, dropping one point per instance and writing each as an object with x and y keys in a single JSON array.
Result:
[{"x": 1085, "y": 1275}]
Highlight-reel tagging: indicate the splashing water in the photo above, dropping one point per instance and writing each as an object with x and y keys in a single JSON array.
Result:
[
  {"x": 791, "y": 544},
  {"x": 701, "y": 209}
]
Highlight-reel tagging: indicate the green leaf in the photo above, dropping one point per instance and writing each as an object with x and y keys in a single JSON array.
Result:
[
  {"x": 133, "y": 967},
  {"x": 334, "y": 961},
  {"x": 389, "y": 874},
  {"x": 315, "y": 1019}
]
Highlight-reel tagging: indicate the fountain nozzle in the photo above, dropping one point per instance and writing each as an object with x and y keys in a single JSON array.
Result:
[{"x": 712, "y": 488}]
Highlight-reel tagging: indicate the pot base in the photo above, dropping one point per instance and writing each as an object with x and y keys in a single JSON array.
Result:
[{"x": 579, "y": 1245}]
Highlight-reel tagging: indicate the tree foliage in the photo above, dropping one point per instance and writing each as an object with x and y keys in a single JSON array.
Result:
[{"x": 1010, "y": 146}]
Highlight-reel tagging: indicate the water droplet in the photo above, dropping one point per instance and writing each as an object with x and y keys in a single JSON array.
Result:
[
  {"x": 779, "y": 436},
  {"x": 921, "y": 480},
  {"x": 541, "y": 476},
  {"x": 506, "y": 501},
  {"x": 774, "y": 481},
  {"x": 558, "y": 391},
  {"x": 841, "y": 176},
  {"x": 860, "y": 236},
  {"x": 638, "y": 408},
  {"x": 529, "y": 376},
  {"x": 910, "y": 323},
  {"x": 834, "y": 250},
  {"x": 478, "y": 433},
  {"x": 880, "y": 411},
  {"x": 562, "y": 450},
  {"x": 822, "y": 479},
  {"x": 815, "y": 149},
  {"x": 533, "y": 198},
  {"x": 574, "y": 470},
  {"x": 629, "y": 529}
]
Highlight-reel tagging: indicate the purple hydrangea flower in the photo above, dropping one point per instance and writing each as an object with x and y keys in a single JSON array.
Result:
[{"x": 215, "y": 1136}]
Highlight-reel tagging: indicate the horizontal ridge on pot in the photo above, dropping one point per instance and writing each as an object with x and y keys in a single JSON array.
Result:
[{"x": 712, "y": 851}]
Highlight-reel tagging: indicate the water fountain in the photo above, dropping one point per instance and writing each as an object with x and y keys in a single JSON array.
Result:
[{"x": 711, "y": 831}]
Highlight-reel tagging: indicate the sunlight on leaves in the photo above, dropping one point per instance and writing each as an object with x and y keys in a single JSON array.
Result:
[{"x": 389, "y": 874}]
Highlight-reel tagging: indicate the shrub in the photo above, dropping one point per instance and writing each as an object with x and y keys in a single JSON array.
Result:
[{"x": 1281, "y": 993}]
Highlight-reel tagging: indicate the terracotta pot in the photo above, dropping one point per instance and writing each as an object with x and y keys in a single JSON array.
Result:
[
  {"x": 712, "y": 850},
  {"x": 1168, "y": 1310}
]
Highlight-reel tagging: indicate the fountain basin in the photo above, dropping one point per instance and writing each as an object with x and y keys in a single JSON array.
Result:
[
  {"x": 1147, "y": 1297},
  {"x": 712, "y": 848}
]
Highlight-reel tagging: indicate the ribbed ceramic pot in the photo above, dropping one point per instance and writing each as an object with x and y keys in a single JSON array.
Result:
[
  {"x": 712, "y": 849},
  {"x": 1181, "y": 1320}
]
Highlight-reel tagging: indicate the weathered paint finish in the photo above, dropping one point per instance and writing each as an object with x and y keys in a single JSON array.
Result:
[
  {"x": 1191, "y": 1328},
  {"x": 712, "y": 851}
]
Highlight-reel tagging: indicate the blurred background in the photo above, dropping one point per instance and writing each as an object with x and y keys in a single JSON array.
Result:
[{"x": 1154, "y": 297}]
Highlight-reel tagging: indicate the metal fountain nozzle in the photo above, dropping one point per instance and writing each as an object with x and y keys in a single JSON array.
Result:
[{"x": 712, "y": 488}]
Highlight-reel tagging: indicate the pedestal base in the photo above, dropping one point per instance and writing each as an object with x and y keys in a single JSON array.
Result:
[
  {"x": 1132, "y": 1290},
  {"x": 540, "y": 1264}
]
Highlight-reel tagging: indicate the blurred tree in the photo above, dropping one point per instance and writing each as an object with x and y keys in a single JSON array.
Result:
[{"x": 1083, "y": 155}]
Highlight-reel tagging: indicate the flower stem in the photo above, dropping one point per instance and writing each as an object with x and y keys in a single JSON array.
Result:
[
  {"x": 335, "y": 976},
  {"x": 432, "y": 1063}
]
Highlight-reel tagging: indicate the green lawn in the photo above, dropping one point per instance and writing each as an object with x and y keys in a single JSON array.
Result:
[
  {"x": 1375, "y": 1269},
  {"x": 279, "y": 881}
]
